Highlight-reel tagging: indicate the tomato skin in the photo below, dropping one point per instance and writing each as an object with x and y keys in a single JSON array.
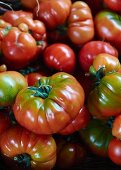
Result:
[
  {"x": 114, "y": 151},
  {"x": 114, "y": 5},
  {"x": 97, "y": 136},
  {"x": 80, "y": 23},
  {"x": 53, "y": 13},
  {"x": 116, "y": 127},
  {"x": 18, "y": 48},
  {"x": 107, "y": 27},
  {"x": 81, "y": 121},
  {"x": 60, "y": 57},
  {"x": 109, "y": 62},
  {"x": 41, "y": 149},
  {"x": 104, "y": 99},
  {"x": 32, "y": 78},
  {"x": 52, "y": 112},
  {"x": 11, "y": 83},
  {"x": 89, "y": 51},
  {"x": 69, "y": 153}
]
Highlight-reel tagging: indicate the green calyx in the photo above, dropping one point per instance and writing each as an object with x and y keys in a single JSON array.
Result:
[
  {"x": 23, "y": 160},
  {"x": 41, "y": 91},
  {"x": 28, "y": 70},
  {"x": 97, "y": 75}
]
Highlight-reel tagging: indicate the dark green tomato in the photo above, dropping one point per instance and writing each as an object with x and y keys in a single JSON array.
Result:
[
  {"x": 51, "y": 105},
  {"x": 11, "y": 82},
  {"x": 105, "y": 99},
  {"x": 97, "y": 136}
]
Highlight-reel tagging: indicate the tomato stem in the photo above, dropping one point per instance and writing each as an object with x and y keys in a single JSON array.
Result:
[
  {"x": 23, "y": 160},
  {"x": 41, "y": 91}
]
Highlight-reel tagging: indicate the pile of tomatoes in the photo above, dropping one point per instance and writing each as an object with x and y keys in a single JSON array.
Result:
[{"x": 60, "y": 82}]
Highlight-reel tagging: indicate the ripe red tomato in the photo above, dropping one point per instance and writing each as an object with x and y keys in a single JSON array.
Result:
[
  {"x": 114, "y": 5},
  {"x": 114, "y": 151},
  {"x": 89, "y": 51},
  {"x": 32, "y": 78},
  {"x": 53, "y": 13},
  {"x": 60, "y": 57},
  {"x": 25, "y": 149}
]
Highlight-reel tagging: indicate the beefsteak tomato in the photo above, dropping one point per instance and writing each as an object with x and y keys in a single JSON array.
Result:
[
  {"x": 49, "y": 106},
  {"x": 28, "y": 150}
]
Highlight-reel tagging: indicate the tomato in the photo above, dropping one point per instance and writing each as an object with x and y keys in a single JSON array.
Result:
[
  {"x": 27, "y": 149},
  {"x": 5, "y": 122},
  {"x": 32, "y": 78},
  {"x": 60, "y": 57},
  {"x": 104, "y": 99},
  {"x": 81, "y": 121},
  {"x": 70, "y": 153},
  {"x": 18, "y": 48},
  {"x": 114, "y": 5},
  {"x": 109, "y": 62},
  {"x": 80, "y": 23},
  {"x": 23, "y": 42},
  {"x": 116, "y": 127},
  {"x": 107, "y": 28},
  {"x": 89, "y": 51},
  {"x": 114, "y": 151},
  {"x": 45, "y": 108},
  {"x": 53, "y": 13},
  {"x": 11, "y": 82},
  {"x": 97, "y": 136}
]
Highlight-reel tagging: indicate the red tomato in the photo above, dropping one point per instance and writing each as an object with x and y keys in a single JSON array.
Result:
[
  {"x": 53, "y": 13},
  {"x": 60, "y": 57},
  {"x": 28, "y": 150},
  {"x": 80, "y": 23},
  {"x": 32, "y": 78},
  {"x": 114, "y": 5},
  {"x": 79, "y": 122},
  {"x": 89, "y": 51},
  {"x": 114, "y": 151}
]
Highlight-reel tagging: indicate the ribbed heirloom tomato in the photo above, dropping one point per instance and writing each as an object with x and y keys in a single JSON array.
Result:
[
  {"x": 22, "y": 148},
  {"x": 49, "y": 106}
]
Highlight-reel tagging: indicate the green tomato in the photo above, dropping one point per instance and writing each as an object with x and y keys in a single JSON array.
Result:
[
  {"x": 105, "y": 99},
  {"x": 97, "y": 136},
  {"x": 11, "y": 82}
]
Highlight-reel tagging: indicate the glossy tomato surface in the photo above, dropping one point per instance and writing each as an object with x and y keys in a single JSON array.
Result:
[
  {"x": 114, "y": 151},
  {"x": 49, "y": 106},
  {"x": 17, "y": 143},
  {"x": 89, "y": 51},
  {"x": 11, "y": 83},
  {"x": 104, "y": 99},
  {"x": 60, "y": 57},
  {"x": 97, "y": 136}
]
